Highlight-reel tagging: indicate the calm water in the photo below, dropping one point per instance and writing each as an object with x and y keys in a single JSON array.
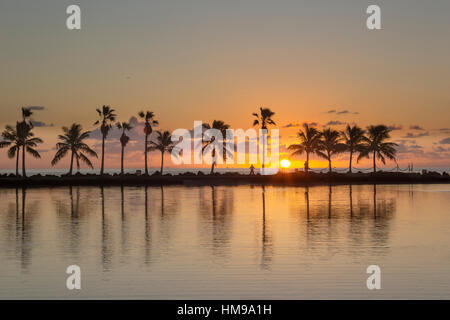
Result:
[{"x": 226, "y": 242}]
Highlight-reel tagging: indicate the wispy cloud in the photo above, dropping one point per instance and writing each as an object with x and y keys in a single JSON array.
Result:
[
  {"x": 418, "y": 135},
  {"x": 416, "y": 127},
  {"x": 395, "y": 127},
  {"x": 444, "y": 141}
]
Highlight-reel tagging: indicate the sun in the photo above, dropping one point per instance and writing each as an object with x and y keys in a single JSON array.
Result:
[{"x": 285, "y": 163}]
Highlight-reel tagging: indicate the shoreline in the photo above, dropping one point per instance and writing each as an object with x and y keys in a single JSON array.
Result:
[{"x": 200, "y": 179}]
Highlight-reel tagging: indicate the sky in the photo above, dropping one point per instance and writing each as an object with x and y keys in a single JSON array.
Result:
[{"x": 309, "y": 61}]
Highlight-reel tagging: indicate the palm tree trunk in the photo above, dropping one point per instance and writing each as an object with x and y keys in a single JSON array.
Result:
[
  {"x": 162, "y": 162},
  {"x": 350, "y": 164},
  {"x": 374, "y": 163},
  {"x": 71, "y": 164},
  {"x": 121, "y": 159},
  {"x": 212, "y": 167},
  {"x": 17, "y": 162},
  {"x": 264, "y": 149},
  {"x": 103, "y": 155},
  {"x": 24, "y": 174},
  {"x": 307, "y": 162},
  {"x": 145, "y": 154},
  {"x": 329, "y": 163}
]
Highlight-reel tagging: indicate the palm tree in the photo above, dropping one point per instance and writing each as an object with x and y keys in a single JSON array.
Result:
[
  {"x": 124, "y": 139},
  {"x": 28, "y": 141},
  {"x": 309, "y": 143},
  {"x": 149, "y": 122},
  {"x": 163, "y": 143},
  {"x": 264, "y": 119},
  {"x": 330, "y": 145},
  {"x": 353, "y": 138},
  {"x": 11, "y": 140},
  {"x": 222, "y": 127},
  {"x": 73, "y": 140},
  {"x": 376, "y": 144},
  {"x": 107, "y": 118}
]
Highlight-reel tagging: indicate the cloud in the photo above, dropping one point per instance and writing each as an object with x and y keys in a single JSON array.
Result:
[
  {"x": 292, "y": 125},
  {"x": 334, "y": 123},
  {"x": 39, "y": 124},
  {"x": 405, "y": 146},
  {"x": 419, "y": 135},
  {"x": 440, "y": 149},
  {"x": 356, "y": 112},
  {"x": 331, "y": 111},
  {"x": 395, "y": 127},
  {"x": 445, "y": 141},
  {"x": 36, "y": 108},
  {"x": 343, "y": 112},
  {"x": 416, "y": 127}
]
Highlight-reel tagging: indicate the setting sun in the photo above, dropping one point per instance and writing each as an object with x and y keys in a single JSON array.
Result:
[{"x": 285, "y": 163}]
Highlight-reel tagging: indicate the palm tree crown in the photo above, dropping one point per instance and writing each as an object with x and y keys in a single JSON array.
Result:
[
  {"x": 163, "y": 143},
  {"x": 73, "y": 140},
  {"x": 376, "y": 143},
  {"x": 222, "y": 127},
  {"x": 330, "y": 145},
  {"x": 106, "y": 119},
  {"x": 28, "y": 142},
  {"x": 11, "y": 139},
  {"x": 148, "y": 117},
  {"x": 353, "y": 137},
  {"x": 309, "y": 143}
]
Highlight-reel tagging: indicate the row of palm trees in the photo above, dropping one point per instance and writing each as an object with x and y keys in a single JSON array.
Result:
[
  {"x": 325, "y": 144},
  {"x": 72, "y": 141}
]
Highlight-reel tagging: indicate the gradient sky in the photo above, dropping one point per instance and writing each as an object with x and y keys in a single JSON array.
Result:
[{"x": 205, "y": 60}]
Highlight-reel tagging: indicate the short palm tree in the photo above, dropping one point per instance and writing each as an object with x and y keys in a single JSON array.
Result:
[
  {"x": 11, "y": 140},
  {"x": 148, "y": 117},
  {"x": 264, "y": 119},
  {"x": 375, "y": 143},
  {"x": 353, "y": 137},
  {"x": 73, "y": 140},
  {"x": 107, "y": 118},
  {"x": 309, "y": 143},
  {"x": 222, "y": 127},
  {"x": 330, "y": 145},
  {"x": 124, "y": 139},
  {"x": 28, "y": 142},
  {"x": 163, "y": 143}
]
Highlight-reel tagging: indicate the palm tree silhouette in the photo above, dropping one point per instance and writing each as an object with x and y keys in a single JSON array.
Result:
[
  {"x": 330, "y": 145},
  {"x": 149, "y": 122},
  {"x": 264, "y": 118},
  {"x": 222, "y": 127},
  {"x": 73, "y": 140},
  {"x": 107, "y": 118},
  {"x": 124, "y": 139},
  {"x": 309, "y": 143},
  {"x": 11, "y": 140},
  {"x": 163, "y": 143},
  {"x": 353, "y": 138},
  {"x": 28, "y": 142},
  {"x": 376, "y": 144}
]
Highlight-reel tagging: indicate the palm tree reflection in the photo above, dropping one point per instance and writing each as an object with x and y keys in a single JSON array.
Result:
[
  {"x": 267, "y": 249},
  {"x": 106, "y": 250}
]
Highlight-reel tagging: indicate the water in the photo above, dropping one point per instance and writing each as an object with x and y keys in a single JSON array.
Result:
[{"x": 226, "y": 242}]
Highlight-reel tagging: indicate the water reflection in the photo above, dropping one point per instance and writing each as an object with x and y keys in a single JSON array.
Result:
[{"x": 171, "y": 228}]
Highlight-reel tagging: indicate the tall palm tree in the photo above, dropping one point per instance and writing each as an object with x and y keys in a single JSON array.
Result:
[
  {"x": 163, "y": 143},
  {"x": 73, "y": 140},
  {"x": 376, "y": 144},
  {"x": 264, "y": 119},
  {"x": 353, "y": 137},
  {"x": 330, "y": 145},
  {"x": 148, "y": 117},
  {"x": 107, "y": 118},
  {"x": 222, "y": 127},
  {"x": 28, "y": 142},
  {"x": 309, "y": 143},
  {"x": 124, "y": 139},
  {"x": 11, "y": 140}
]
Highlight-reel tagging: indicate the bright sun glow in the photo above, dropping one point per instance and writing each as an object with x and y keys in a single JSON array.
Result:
[{"x": 285, "y": 163}]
